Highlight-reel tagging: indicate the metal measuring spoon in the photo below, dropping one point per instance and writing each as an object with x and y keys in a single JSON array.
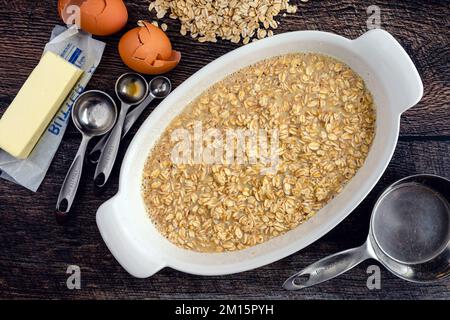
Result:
[
  {"x": 409, "y": 235},
  {"x": 94, "y": 114},
  {"x": 131, "y": 89},
  {"x": 159, "y": 88}
]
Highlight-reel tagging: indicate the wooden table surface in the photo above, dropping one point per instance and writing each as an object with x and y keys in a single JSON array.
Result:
[{"x": 35, "y": 251}]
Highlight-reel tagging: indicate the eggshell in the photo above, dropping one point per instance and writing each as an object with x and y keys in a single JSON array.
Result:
[
  {"x": 99, "y": 17},
  {"x": 148, "y": 50}
]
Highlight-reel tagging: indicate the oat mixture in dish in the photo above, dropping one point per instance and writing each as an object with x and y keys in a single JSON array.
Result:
[{"x": 325, "y": 119}]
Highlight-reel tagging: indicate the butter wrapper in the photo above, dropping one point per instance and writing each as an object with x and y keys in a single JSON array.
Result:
[{"x": 82, "y": 50}]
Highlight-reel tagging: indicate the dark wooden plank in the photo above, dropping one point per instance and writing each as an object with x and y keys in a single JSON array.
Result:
[{"x": 35, "y": 252}]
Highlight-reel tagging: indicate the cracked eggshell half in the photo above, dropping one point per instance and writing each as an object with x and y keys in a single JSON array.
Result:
[
  {"x": 99, "y": 17},
  {"x": 148, "y": 50}
]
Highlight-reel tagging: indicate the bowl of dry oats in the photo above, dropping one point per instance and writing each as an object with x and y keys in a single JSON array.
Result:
[{"x": 260, "y": 153}]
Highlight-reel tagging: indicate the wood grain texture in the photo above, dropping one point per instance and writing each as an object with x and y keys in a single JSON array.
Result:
[{"x": 35, "y": 251}]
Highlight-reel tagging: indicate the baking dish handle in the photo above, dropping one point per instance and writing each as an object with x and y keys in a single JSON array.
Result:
[
  {"x": 394, "y": 67},
  {"x": 120, "y": 242}
]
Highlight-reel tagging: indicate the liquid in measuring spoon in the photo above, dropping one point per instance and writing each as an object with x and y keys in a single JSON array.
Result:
[{"x": 132, "y": 89}]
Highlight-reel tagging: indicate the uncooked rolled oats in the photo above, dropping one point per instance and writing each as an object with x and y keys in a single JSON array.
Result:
[
  {"x": 325, "y": 119},
  {"x": 233, "y": 20}
]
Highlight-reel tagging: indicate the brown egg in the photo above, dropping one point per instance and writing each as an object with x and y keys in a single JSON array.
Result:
[
  {"x": 148, "y": 50},
  {"x": 99, "y": 17}
]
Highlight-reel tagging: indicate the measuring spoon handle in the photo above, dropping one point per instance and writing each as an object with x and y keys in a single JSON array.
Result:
[
  {"x": 130, "y": 120},
  {"x": 71, "y": 182},
  {"x": 327, "y": 268},
  {"x": 109, "y": 154},
  {"x": 134, "y": 115}
]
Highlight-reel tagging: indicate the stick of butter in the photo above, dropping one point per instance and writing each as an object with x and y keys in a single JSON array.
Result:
[{"x": 37, "y": 102}]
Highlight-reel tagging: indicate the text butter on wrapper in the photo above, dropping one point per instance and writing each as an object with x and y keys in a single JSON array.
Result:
[{"x": 85, "y": 53}]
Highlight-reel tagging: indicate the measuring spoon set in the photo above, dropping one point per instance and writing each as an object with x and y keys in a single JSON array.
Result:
[{"x": 95, "y": 114}]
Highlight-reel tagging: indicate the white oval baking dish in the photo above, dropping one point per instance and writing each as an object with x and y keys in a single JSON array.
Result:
[{"x": 389, "y": 74}]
